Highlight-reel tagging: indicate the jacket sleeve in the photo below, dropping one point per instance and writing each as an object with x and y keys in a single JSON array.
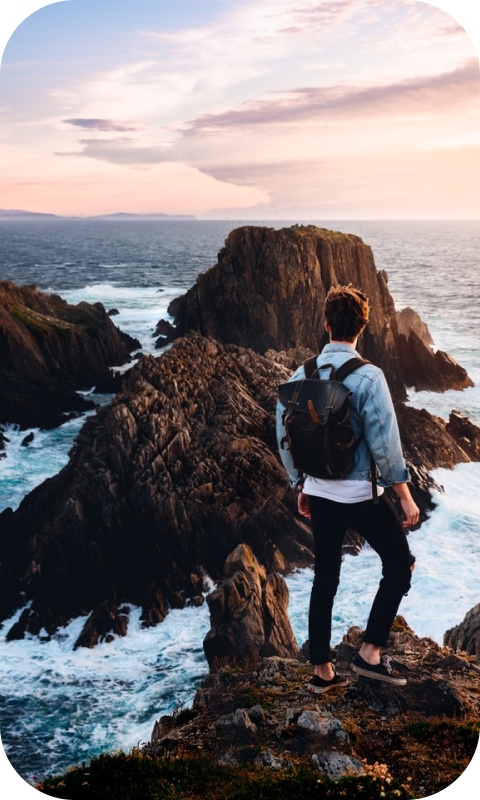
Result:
[{"x": 381, "y": 431}]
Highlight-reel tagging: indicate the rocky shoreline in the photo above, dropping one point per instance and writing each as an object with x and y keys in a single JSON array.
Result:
[
  {"x": 182, "y": 466},
  {"x": 178, "y": 480}
]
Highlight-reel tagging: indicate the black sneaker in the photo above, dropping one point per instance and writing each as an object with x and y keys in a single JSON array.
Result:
[
  {"x": 379, "y": 672},
  {"x": 320, "y": 685}
]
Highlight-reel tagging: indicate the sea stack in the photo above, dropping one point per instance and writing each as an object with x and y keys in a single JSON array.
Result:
[{"x": 268, "y": 289}]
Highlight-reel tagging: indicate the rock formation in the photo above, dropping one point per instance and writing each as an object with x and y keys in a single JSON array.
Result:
[
  {"x": 466, "y": 636},
  {"x": 268, "y": 290},
  {"x": 163, "y": 484},
  {"x": 49, "y": 349},
  {"x": 248, "y": 613},
  {"x": 160, "y": 487},
  {"x": 421, "y": 735}
]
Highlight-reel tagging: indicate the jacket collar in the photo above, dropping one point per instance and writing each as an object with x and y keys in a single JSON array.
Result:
[{"x": 338, "y": 347}]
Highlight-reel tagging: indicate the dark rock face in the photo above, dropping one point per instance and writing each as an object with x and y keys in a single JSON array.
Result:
[
  {"x": 160, "y": 486},
  {"x": 466, "y": 636},
  {"x": 268, "y": 290},
  {"x": 248, "y": 613},
  {"x": 163, "y": 484},
  {"x": 48, "y": 349}
]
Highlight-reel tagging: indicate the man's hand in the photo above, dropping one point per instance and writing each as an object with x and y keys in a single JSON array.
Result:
[
  {"x": 409, "y": 507},
  {"x": 303, "y": 505}
]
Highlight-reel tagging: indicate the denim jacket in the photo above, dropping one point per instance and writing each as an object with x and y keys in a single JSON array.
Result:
[{"x": 372, "y": 416}]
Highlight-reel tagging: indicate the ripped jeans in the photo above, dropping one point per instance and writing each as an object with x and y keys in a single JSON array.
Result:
[{"x": 381, "y": 528}]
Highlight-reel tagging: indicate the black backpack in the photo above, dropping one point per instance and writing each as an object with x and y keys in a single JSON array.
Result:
[{"x": 317, "y": 424}]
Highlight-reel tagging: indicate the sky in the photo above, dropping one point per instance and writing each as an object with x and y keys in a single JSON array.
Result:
[{"x": 267, "y": 109}]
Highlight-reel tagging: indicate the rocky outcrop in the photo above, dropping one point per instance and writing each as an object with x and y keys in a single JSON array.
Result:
[
  {"x": 268, "y": 291},
  {"x": 48, "y": 350},
  {"x": 413, "y": 734},
  {"x": 248, "y": 613},
  {"x": 466, "y": 636},
  {"x": 162, "y": 485},
  {"x": 160, "y": 488}
]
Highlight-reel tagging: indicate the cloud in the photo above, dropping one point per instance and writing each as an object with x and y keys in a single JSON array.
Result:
[
  {"x": 123, "y": 151},
  {"x": 422, "y": 94},
  {"x": 105, "y": 125}
]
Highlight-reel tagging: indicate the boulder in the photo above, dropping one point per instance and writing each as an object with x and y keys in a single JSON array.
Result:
[{"x": 248, "y": 612}]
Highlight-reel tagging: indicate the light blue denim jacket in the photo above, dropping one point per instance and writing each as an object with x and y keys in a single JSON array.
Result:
[{"x": 372, "y": 416}]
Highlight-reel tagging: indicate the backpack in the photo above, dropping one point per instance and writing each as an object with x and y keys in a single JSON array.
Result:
[{"x": 317, "y": 423}]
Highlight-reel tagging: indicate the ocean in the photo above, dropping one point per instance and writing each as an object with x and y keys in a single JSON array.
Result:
[{"x": 47, "y": 718}]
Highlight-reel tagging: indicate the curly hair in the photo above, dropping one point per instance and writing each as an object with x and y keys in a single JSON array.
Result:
[{"x": 346, "y": 312}]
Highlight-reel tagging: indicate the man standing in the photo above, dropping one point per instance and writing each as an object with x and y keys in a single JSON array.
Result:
[{"x": 333, "y": 505}]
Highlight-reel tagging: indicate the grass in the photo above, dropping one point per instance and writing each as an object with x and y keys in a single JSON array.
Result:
[{"x": 138, "y": 776}]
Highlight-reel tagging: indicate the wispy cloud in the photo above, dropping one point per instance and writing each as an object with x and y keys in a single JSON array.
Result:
[
  {"x": 421, "y": 94},
  {"x": 105, "y": 125}
]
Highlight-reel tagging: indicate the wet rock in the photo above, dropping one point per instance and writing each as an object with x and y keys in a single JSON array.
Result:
[{"x": 28, "y": 440}]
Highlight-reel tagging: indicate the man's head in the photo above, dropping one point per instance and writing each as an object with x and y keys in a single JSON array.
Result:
[{"x": 346, "y": 313}]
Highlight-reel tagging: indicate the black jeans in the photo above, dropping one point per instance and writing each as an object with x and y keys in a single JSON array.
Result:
[{"x": 380, "y": 527}]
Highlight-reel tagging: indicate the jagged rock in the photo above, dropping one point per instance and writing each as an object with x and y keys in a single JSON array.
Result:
[
  {"x": 28, "y": 440},
  {"x": 164, "y": 483},
  {"x": 160, "y": 487},
  {"x": 409, "y": 321},
  {"x": 466, "y": 636},
  {"x": 268, "y": 291},
  {"x": 466, "y": 433},
  {"x": 239, "y": 720},
  {"x": 49, "y": 349},
  {"x": 248, "y": 613}
]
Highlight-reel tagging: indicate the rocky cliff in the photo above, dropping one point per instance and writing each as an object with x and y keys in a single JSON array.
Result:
[
  {"x": 268, "y": 291},
  {"x": 418, "y": 738},
  {"x": 163, "y": 484},
  {"x": 49, "y": 349}
]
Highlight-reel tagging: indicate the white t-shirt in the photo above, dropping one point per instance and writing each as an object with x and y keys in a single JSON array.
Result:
[{"x": 341, "y": 491}]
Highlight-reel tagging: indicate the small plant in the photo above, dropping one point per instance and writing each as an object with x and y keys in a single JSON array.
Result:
[{"x": 420, "y": 730}]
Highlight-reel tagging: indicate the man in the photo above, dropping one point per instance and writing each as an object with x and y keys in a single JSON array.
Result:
[{"x": 335, "y": 505}]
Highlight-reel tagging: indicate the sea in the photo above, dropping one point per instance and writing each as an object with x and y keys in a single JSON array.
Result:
[{"x": 60, "y": 707}]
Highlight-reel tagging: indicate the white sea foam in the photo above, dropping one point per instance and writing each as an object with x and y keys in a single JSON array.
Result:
[
  {"x": 140, "y": 307},
  {"x": 63, "y": 706}
]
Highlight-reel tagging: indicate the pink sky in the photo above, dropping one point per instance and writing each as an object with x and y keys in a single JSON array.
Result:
[{"x": 347, "y": 109}]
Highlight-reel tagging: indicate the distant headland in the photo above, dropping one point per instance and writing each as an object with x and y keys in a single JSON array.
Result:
[{"x": 20, "y": 214}]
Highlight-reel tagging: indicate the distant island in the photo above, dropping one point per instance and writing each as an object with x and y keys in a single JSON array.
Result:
[{"x": 19, "y": 214}]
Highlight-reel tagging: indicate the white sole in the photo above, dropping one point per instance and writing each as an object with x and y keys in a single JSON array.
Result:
[{"x": 376, "y": 677}]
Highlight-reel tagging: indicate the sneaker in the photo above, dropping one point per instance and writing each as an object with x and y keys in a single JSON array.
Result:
[
  {"x": 379, "y": 672},
  {"x": 320, "y": 685}
]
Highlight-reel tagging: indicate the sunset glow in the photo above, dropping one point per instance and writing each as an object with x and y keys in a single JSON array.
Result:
[{"x": 274, "y": 109}]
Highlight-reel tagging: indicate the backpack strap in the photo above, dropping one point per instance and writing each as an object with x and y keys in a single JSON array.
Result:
[
  {"x": 350, "y": 366},
  {"x": 310, "y": 367}
]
